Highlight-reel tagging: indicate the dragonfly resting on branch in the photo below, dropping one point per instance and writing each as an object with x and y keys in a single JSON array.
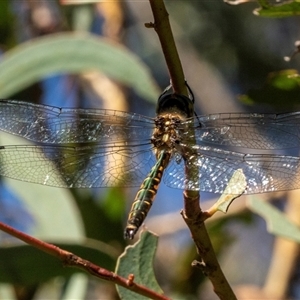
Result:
[{"x": 94, "y": 148}]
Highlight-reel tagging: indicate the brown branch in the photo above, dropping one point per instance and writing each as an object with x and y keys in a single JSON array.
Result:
[
  {"x": 192, "y": 213},
  {"x": 194, "y": 218},
  {"x": 163, "y": 29},
  {"x": 71, "y": 260}
]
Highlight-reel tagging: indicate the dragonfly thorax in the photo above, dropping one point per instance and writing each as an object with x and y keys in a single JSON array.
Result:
[{"x": 167, "y": 133}]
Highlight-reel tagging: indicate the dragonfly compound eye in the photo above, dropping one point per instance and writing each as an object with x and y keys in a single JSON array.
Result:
[{"x": 174, "y": 102}]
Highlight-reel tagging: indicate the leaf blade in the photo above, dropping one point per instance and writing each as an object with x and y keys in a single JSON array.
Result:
[
  {"x": 73, "y": 53},
  {"x": 277, "y": 223},
  {"x": 138, "y": 260}
]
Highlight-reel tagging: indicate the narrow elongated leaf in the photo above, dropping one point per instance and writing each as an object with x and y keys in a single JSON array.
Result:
[
  {"x": 138, "y": 260},
  {"x": 238, "y": 184},
  {"x": 51, "y": 208},
  {"x": 277, "y": 222},
  {"x": 278, "y": 10},
  {"x": 73, "y": 53}
]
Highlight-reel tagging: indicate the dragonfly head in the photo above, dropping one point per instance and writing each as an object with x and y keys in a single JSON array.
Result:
[{"x": 168, "y": 103}]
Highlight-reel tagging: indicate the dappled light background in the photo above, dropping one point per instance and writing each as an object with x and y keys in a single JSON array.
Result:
[{"x": 226, "y": 51}]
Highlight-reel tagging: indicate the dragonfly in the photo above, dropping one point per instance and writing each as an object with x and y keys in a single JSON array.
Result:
[{"x": 95, "y": 148}]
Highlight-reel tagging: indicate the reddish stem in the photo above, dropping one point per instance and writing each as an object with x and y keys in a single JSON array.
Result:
[{"x": 71, "y": 260}]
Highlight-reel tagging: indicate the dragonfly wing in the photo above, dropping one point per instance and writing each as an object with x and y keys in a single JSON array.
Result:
[
  {"x": 253, "y": 131},
  {"x": 77, "y": 167},
  {"x": 263, "y": 172},
  {"x": 48, "y": 124}
]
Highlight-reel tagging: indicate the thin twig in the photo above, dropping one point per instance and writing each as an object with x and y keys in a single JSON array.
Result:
[
  {"x": 71, "y": 260},
  {"x": 163, "y": 28},
  {"x": 192, "y": 213},
  {"x": 194, "y": 218}
]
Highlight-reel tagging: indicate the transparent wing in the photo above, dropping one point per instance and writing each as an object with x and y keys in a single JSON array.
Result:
[
  {"x": 253, "y": 131},
  {"x": 77, "y": 167},
  {"x": 48, "y": 124},
  {"x": 264, "y": 173}
]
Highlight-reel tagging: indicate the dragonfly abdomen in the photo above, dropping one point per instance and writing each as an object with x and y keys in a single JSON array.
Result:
[{"x": 145, "y": 196}]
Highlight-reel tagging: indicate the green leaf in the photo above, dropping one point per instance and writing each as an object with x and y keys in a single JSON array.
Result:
[
  {"x": 76, "y": 288},
  {"x": 281, "y": 91},
  {"x": 98, "y": 223},
  {"x": 73, "y": 53},
  {"x": 6, "y": 21},
  {"x": 277, "y": 222},
  {"x": 114, "y": 203},
  {"x": 26, "y": 265},
  {"x": 138, "y": 260},
  {"x": 235, "y": 188},
  {"x": 52, "y": 208},
  {"x": 278, "y": 10}
]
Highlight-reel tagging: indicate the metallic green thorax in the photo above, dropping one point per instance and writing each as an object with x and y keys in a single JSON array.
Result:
[{"x": 171, "y": 110}]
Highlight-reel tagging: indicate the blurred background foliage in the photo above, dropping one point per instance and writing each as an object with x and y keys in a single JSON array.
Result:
[{"x": 233, "y": 60}]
